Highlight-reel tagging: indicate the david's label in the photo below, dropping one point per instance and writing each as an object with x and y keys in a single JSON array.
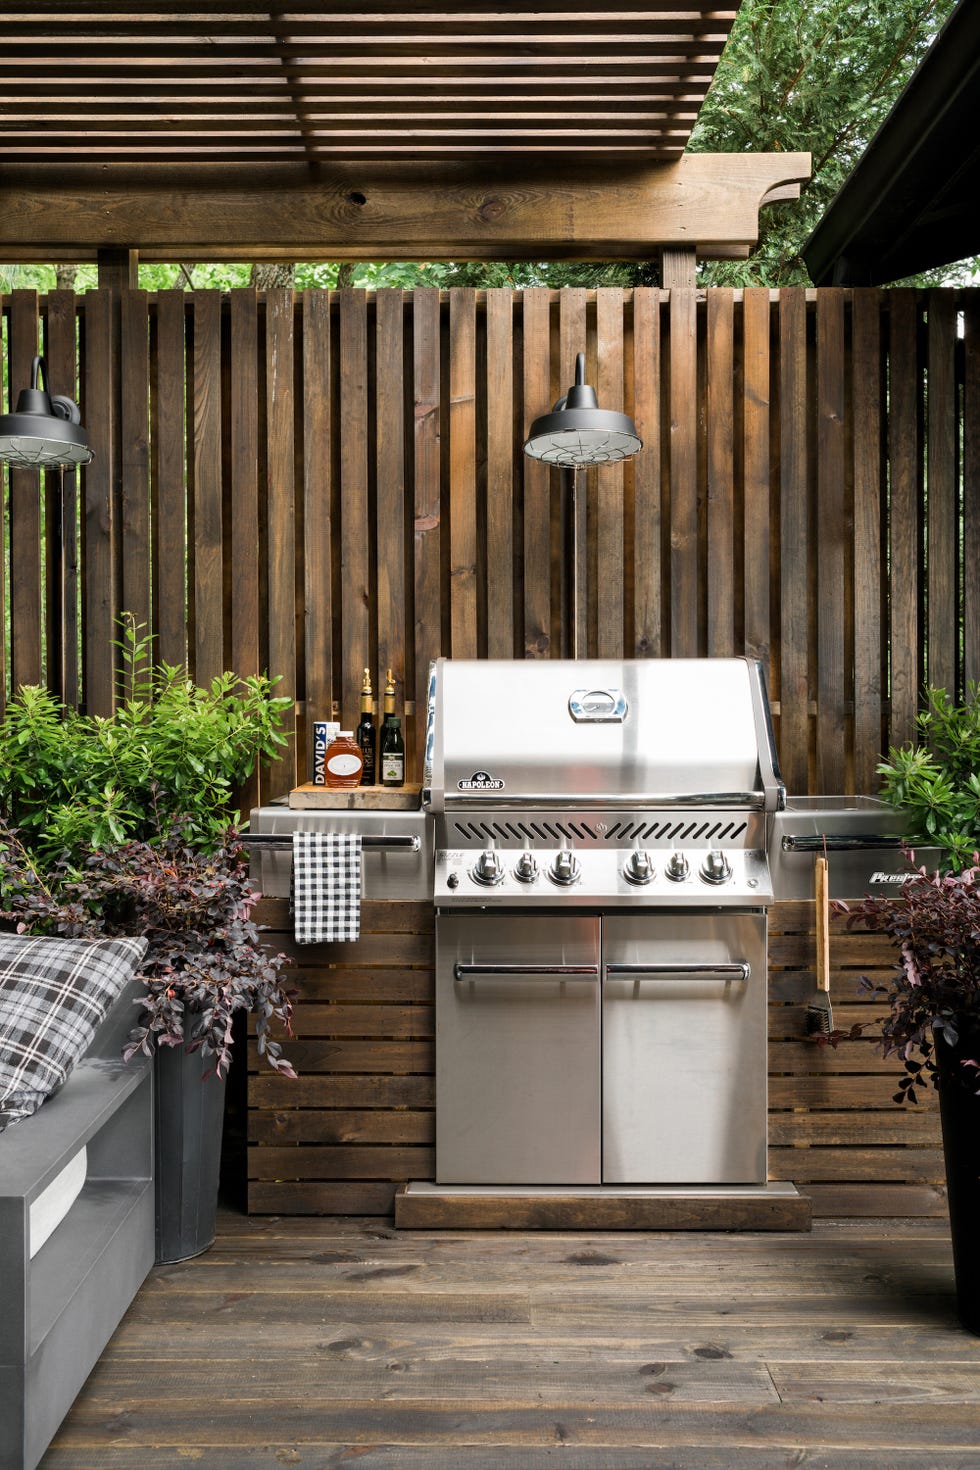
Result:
[
  {"x": 898, "y": 878},
  {"x": 320, "y": 743},
  {"x": 480, "y": 781}
]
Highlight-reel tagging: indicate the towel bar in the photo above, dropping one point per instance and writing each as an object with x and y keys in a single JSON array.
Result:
[{"x": 283, "y": 842}]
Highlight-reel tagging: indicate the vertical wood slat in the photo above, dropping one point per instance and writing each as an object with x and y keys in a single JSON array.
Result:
[
  {"x": 135, "y": 451},
  {"x": 647, "y": 511},
  {"x": 942, "y": 469},
  {"x": 169, "y": 549},
  {"x": 610, "y": 631},
  {"x": 99, "y": 531},
  {"x": 243, "y": 500},
  {"x": 684, "y": 580},
  {"x": 866, "y": 378},
  {"x": 391, "y": 489},
  {"x": 428, "y": 511},
  {"x": 577, "y": 547},
  {"x": 903, "y": 517},
  {"x": 462, "y": 472},
  {"x": 24, "y": 506},
  {"x": 61, "y": 358},
  {"x": 243, "y": 531},
  {"x": 971, "y": 486},
  {"x": 500, "y": 474},
  {"x": 205, "y": 431},
  {"x": 318, "y": 429},
  {"x": 4, "y": 542},
  {"x": 355, "y": 531},
  {"x": 830, "y": 748},
  {"x": 537, "y": 479},
  {"x": 720, "y": 410},
  {"x": 755, "y": 459},
  {"x": 281, "y": 499},
  {"x": 794, "y": 722}
]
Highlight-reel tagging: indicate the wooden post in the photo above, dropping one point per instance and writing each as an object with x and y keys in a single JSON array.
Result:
[{"x": 678, "y": 267}]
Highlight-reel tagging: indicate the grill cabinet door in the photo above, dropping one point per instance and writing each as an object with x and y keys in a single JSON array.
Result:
[
  {"x": 517, "y": 1050},
  {"x": 684, "y": 1090}
]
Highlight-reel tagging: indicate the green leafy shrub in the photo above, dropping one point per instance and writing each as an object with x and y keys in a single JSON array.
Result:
[
  {"x": 937, "y": 782},
  {"x": 76, "y": 783}
]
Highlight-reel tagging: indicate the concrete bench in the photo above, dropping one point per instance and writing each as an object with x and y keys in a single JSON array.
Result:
[{"x": 62, "y": 1304}]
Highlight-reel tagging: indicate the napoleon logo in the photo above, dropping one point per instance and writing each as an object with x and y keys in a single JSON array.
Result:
[{"x": 480, "y": 781}]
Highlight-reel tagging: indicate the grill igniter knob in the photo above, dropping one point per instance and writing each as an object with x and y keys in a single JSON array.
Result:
[
  {"x": 565, "y": 869},
  {"x": 526, "y": 869},
  {"x": 716, "y": 868},
  {"x": 638, "y": 868},
  {"x": 677, "y": 867},
  {"x": 488, "y": 869}
]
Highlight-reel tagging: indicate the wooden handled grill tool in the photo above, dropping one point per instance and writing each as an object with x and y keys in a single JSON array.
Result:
[{"x": 819, "y": 1015}]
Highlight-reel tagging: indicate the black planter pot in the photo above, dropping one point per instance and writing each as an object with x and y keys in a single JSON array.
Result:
[
  {"x": 189, "y": 1115},
  {"x": 960, "y": 1112}
]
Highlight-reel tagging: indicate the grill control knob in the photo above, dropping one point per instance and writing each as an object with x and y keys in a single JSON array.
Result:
[
  {"x": 716, "y": 868},
  {"x": 488, "y": 869},
  {"x": 677, "y": 867},
  {"x": 565, "y": 869},
  {"x": 638, "y": 867},
  {"x": 527, "y": 869}
]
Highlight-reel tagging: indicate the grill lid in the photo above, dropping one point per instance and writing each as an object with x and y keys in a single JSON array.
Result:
[{"x": 600, "y": 733}]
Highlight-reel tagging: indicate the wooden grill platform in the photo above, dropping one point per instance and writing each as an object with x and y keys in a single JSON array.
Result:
[
  {"x": 775, "y": 1206},
  {"x": 329, "y": 1343}
]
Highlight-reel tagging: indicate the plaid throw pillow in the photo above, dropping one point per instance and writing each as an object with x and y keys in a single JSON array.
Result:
[{"x": 54, "y": 993}]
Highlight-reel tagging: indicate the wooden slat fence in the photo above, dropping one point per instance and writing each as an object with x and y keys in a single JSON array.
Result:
[{"x": 319, "y": 483}]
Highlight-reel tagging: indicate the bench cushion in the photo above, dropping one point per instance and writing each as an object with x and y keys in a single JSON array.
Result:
[{"x": 53, "y": 995}]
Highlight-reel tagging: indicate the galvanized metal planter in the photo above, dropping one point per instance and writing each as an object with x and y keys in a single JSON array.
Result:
[{"x": 188, "y": 1124}]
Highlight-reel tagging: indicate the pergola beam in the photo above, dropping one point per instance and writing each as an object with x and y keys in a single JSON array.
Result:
[{"x": 594, "y": 209}]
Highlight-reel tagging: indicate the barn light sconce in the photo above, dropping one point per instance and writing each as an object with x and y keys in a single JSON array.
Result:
[
  {"x": 45, "y": 431},
  {"x": 577, "y": 432}
]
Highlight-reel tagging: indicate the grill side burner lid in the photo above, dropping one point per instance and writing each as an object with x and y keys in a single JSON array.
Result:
[{"x": 597, "y": 732}]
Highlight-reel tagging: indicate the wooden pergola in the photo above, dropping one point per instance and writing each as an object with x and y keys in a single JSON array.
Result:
[{"x": 294, "y": 132}]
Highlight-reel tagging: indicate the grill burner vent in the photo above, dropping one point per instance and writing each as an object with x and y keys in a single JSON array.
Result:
[{"x": 670, "y": 830}]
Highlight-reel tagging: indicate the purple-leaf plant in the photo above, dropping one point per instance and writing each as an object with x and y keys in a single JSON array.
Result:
[
  {"x": 933, "y": 1020},
  {"x": 205, "y": 958}
]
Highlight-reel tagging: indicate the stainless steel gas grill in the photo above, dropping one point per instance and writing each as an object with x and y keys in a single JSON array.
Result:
[{"x": 601, "y": 884}]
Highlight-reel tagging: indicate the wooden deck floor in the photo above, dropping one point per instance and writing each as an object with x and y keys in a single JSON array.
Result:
[{"x": 328, "y": 1343}]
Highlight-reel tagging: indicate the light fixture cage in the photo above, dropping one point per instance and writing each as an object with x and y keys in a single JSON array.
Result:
[
  {"x": 578, "y": 433},
  {"x": 45, "y": 430}
]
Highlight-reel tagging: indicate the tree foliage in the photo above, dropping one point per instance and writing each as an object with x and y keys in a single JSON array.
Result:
[{"x": 818, "y": 78}]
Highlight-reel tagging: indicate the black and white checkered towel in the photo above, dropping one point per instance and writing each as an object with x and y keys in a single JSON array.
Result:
[{"x": 326, "y": 887}]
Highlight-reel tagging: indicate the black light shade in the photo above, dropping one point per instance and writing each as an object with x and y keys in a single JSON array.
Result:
[
  {"x": 577, "y": 432},
  {"x": 45, "y": 430}
]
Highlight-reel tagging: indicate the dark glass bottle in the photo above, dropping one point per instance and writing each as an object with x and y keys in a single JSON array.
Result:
[
  {"x": 366, "y": 734},
  {"x": 392, "y": 753}
]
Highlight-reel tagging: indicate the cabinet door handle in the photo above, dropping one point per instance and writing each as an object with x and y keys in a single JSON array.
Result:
[
  {"x": 518, "y": 972},
  {"x": 738, "y": 970}
]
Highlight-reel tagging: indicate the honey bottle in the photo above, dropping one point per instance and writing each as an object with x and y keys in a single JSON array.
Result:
[{"x": 344, "y": 761}]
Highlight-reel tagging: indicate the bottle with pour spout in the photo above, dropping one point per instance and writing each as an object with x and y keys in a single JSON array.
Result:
[{"x": 366, "y": 733}]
